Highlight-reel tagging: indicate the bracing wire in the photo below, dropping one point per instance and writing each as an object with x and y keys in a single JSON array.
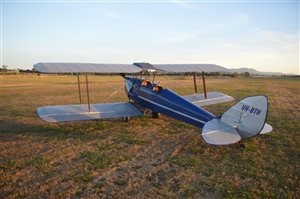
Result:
[{"x": 106, "y": 99}]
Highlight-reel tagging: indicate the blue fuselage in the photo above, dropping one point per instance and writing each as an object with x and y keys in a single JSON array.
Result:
[{"x": 166, "y": 102}]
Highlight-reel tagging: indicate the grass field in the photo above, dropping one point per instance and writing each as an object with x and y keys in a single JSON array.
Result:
[{"x": 144, "y": 158}]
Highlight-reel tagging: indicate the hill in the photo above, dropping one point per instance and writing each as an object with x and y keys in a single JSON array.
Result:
[{"x": 254, "y": 72}]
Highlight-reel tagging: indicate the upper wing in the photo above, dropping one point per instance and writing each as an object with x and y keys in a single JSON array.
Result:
[
  {"x": 85, "y": 68},
  {"x": 212, "y": 98},
  {"x": 69, "y": 113},
  {"x": 125, "y": 68},
  {"x": 183, "y": 68}
]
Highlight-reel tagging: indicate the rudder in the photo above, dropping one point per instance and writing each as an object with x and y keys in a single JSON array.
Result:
[{"x": 248, "y": 116}]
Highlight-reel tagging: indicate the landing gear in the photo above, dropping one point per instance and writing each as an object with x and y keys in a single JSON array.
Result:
[
  {"x": 242, "y": 145},
  {"x": 155, "y": 115},
  {"x": 125, "y": 119}
]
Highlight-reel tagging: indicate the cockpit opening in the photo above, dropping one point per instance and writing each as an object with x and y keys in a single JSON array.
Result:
[
  {"x": 157, "y": 88},
  {"x": 146, "y": 83}
]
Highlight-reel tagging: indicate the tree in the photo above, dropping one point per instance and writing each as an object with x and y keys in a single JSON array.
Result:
[
  {"x": 235, "y": 74},
  {"x": 4, "y": 67},
  {"x": 247, "y": 74}
]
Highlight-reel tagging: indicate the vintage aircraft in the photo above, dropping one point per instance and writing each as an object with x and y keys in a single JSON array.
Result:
[{"x": 245, "y": 119}]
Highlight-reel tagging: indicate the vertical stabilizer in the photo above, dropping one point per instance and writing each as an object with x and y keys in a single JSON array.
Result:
[{"x": 248, "y": 116}]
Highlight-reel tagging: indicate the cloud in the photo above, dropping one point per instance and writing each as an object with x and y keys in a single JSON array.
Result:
[
  {"x": 280, "y": 41},
  {"x": 264, "y": 50},
  {"x": 195, "y": 34},
  {"x": 265, "y": 40},
  {"x": 183, "y": 4},
  {"x": 238, "y": 19},
  {"x": 111, "y": 15},
  {"x": 181, "y": 37}
]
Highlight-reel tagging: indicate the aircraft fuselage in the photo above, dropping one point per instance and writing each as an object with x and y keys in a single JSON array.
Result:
[{"x": 166, "y": 102}]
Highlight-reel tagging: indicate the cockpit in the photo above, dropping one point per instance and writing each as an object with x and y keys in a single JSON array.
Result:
[
  {"x": 146, "y": 83},
  {"x": 156, "y": 87}
]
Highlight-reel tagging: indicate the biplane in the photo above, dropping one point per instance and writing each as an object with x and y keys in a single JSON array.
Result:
[{"x": 244, "y": 120}]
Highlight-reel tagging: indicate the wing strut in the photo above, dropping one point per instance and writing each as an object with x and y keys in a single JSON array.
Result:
[
  {"x": 204, "y": 86},
  {"x": 79, "y": 91},
  {"x": 154, "y": 77},
  {"x": 195, "y": 83},
  {"x": 87, "y": 92}
]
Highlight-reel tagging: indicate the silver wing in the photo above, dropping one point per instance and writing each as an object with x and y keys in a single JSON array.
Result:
[
  {"x": 184, "y": 68},
  {"x": 69, "y": 113},
  {"x": 85, "y": 68},
  {"x": 212, "y": 98}
]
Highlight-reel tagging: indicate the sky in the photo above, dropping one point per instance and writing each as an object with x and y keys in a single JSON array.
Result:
[{"x": 235, "y": 34}]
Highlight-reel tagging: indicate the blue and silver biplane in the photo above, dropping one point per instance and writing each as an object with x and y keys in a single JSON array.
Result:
[{"x": 244, "y": 120}]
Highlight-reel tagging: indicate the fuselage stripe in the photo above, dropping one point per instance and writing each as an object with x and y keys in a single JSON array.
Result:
[
  {"x": 216, "y": 98},
  {"x": 182, "y": 114}
]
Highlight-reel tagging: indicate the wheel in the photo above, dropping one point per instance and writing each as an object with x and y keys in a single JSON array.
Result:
[
  {"x": 242, "y": 145},
  {"x": 125, "y": 119},
  {"x": 155, "y": 115}
]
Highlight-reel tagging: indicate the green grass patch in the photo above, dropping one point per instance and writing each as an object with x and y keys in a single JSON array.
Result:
[
  {"x": 100, "y": 160},
  {"x": 80, "y": 177},
  {"x": 186, "y": 162},
  {"x": 176, "y": 127},
  {"x": 194, "y": 149},
  {"x": 7, "y": 165},
  {"x": 188, "y": 190},
  {"x": 128, "y": 137},
  {"x": 42, "y": 164},
  {"x": 109, "y": 146},
  {"x": 170, "y": 131}
]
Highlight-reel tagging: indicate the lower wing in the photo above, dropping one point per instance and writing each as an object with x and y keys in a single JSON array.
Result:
[
  {"x": 80, "y": 112},
  {"x": 212, "y": 98}
]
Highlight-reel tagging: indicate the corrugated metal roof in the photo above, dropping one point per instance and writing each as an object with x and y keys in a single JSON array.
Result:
[
  {"x": 85, "y": 68},
  {"x": 182, "y": 68},
  {"x": 145, "y": 66}
]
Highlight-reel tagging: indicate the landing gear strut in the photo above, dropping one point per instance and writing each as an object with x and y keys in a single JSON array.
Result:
[
  {"x": 242, "y": 145},
  {"x": 155, "y": 115},
  {"x": 125, "y": 119}
]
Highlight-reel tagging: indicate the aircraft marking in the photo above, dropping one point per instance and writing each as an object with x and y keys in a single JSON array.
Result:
[{"x": 251, "y": 110}]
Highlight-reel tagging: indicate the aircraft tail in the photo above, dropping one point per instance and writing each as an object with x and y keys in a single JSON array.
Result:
[{"x": 244, "y": 120}]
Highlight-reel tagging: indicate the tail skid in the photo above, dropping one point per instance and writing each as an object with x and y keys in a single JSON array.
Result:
[{"x": 244, "y": 120}]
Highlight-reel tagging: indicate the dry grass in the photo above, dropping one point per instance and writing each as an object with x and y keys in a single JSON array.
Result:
[{"x": 145, "y": 158}]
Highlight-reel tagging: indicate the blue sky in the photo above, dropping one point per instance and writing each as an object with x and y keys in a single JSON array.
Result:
[{"x": 264, "y": 36}]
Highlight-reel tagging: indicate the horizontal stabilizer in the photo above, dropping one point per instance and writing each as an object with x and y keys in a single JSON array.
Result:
[
  {"x": 85, "y": 68},
  {"x": 212, "y": 98},
  {"x": 80, "y": 112},
  {"x": 217, "y": 132},
  {"x": 267, "y": 129}
]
